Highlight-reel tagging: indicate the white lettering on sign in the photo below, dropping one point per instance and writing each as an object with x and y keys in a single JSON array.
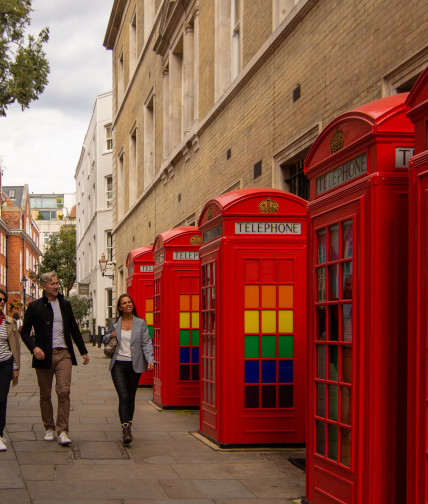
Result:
[
  {"x": 342, "y": 174},
  {"x": 282, "y": 228},
  {"x": 145, "y": 268},
  {"x": 402, "y": 156},
  {"x": 185, "y": 256}
]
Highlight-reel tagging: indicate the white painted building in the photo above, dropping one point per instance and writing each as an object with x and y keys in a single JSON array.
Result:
[{"x": 94, "y": 199}]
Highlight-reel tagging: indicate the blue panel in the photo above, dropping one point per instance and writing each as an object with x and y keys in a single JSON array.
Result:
[
  {"x": 184, "y": 355},
  {"x": 195, "y": 355},
  {"x": 268, "y": 371},
  {"x": 251, "y": 371},
  {"x": 285, "y": 371}
]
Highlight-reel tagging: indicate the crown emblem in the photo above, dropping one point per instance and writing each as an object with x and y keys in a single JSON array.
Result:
[
  {"x": 337, "y": 141},
  {"x": 268, "y": 206},
  {"x": 196, "y": 240}
]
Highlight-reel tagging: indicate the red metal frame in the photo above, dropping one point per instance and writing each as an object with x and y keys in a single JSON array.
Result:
[
  {"x": 139, "y": 285},
  {"x": 176, "y": 318},
  {"x": 253, "y": 317},
  {"x": 356, "y": 447},
  {"x": 417, "y": 432}
]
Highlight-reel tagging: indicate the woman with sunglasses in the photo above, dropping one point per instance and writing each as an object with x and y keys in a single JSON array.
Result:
[
  {"x": 9, "y": 361},
  {"x": 132, "y": 356}
]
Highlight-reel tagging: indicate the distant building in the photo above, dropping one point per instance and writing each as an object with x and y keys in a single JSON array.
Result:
[
  {"x": 94, "y": 198},
  {"x": 51, "y": 211},
  {"x": 20, "y": 253}
]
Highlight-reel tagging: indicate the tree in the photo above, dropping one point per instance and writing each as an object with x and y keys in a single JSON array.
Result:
[
  {"x": 24, "y": 68},
  {"x": 80, "y": 305},
  {"x": 60, "y": 255}
]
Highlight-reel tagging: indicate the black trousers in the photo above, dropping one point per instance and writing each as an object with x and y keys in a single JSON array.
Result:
[
  {"x": 125, "y": 381},
  {"x": 6, "y": 372}
]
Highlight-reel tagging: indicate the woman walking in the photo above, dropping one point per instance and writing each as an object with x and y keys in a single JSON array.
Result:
[
  {"x": 9, "y": 361},
  {"x": 132, "y": 356}
]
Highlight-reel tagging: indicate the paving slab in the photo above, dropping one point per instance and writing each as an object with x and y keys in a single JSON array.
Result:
[{"x": 167, "y": 463}]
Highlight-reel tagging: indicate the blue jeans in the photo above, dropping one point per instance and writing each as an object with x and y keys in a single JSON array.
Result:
[
  {"x": 125, "y": 381},
  {"x": 6, "y": 373}
]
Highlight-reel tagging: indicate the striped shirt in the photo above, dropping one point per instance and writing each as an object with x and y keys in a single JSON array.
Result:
[{"x": 5, "y": 352}]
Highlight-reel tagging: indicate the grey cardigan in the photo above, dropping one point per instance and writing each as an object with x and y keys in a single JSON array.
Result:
[{"x": 141, "y": 344}]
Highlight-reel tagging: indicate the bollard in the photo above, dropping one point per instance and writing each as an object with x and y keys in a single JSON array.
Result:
[
  {"x": 100, "y": 336},
  {"x": 93, "y": 336}
]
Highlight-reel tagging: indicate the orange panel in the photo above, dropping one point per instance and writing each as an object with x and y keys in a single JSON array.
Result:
[
  {"x": 285, "y": 297},
  {"x": 149, "y": 305},
  {"x": 184, "y": 302},
  {"x": 195, "y": 303},
  {"x": 268, "y": 296},
  {"x": 251, "y": 296}
]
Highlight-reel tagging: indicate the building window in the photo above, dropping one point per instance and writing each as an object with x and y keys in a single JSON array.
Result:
[
  {"x": 109, "y": 246},
  {"x": 236, "y": 39},
  {"x": 109, "y": 138},
  {"x": 120, "y": 188},
  {"x": 109, "y": 192},
  {"x": 46, "y": 239},
  {"x": 132, "y": 44},
  {"x": 120, "y": 77},
  {"x": 11, "y": 193},
  {"x": 176, "y": 94},
  {"x": 47, "y": 215},
  {"x": 133, "y": 174},
  {"x": 109, "y": 303},
  {"x": 149, "y": 144},
  {"x": 295, "y": 180},
  {"x": 402, "y": 78}
]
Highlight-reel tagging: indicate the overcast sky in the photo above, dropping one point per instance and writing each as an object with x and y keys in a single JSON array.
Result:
[{"x": 41, "y": 146}]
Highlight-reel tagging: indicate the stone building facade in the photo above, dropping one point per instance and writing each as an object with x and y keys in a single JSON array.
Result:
[{"x": 210, "y": 96}]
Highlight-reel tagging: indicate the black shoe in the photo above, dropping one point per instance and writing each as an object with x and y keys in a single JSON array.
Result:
[{"x": 126, "y": 433}]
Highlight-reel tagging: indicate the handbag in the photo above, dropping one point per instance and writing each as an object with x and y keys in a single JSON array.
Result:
[{"x": 110, "y": 347}]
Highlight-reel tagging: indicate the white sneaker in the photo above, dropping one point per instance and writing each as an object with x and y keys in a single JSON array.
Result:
[
  {"x": 3, "y": 446},
  {"x": 63, "y": 439},
  {"x": 49, "y": 436}
]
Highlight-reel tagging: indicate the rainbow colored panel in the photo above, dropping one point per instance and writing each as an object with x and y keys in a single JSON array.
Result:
[{"x": 189, "y": 337}]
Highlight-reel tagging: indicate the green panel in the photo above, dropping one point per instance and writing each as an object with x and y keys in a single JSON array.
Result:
[
  {"x": 268, "y": 346},
  {"x": 150, "y": 328},
  {"x": 251, "y": 347},
  {"x": 195, "y": 337},
  {"x": 184, "y": 337},
  {"x": 285, "y": 346}
]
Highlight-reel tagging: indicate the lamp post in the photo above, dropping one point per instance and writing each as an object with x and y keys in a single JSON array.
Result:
[
  {"x": 24, "y": 284},
  {"x": 33, "y": 290},
  {"x": 103, "y": 266}
]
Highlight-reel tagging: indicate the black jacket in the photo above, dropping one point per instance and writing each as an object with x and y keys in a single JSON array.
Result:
[{"x": 39, "y": 315}]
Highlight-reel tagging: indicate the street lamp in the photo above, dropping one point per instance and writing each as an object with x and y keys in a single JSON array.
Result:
[
  {"x": 33, "y": 290},
  {"x": 103, "y": 266},
  {"x": 24, "y": 284}
]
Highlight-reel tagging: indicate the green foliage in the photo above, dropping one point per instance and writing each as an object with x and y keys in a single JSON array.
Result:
[
  {"x": 60, "y": 255},
  {"x": 24, "y": 68},
  {"x": 80, "y": 305}
]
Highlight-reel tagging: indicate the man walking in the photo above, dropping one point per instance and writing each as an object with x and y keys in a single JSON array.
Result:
[{"x": 54, "y": 325}]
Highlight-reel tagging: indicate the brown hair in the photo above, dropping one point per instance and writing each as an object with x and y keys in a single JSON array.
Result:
[{"x": 119, "y": 311}]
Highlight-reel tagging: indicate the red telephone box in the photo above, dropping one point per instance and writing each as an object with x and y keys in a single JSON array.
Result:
[
  {"x": 253, "y": 274},
  {"x": 417, "y": 432},
  {"x": 358, "y": 171},
  {"x": 139, "y": 285},
  {"x": 176, "y": 318}
]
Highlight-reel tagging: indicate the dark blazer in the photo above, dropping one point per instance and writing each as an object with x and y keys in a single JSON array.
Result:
[
  {"x": 39, "y": 315},
  {"x": 141, "y": 344}
]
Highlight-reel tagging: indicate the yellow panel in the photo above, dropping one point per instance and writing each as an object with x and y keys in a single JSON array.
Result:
[
  {"x": 149, "y": 318},
  {"x": 251, "y": 296},
  {"x": 184, "y": 302},
  {"x": 149, "y": 305},
  {"x": 268, "y": 321},
  {"x": 285, "y": 296},
  {"x": 251, "y": 321},
  {"x": 285, "y": 321},
  {"x": 185, "y": 320},
  {"x": 195, "y": 303},
  {"x": 268, "y": 296},
  {"x": 195, "y": 320}
]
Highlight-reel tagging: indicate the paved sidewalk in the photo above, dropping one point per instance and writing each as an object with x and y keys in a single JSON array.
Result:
[{"x": 166, "y": 463}]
